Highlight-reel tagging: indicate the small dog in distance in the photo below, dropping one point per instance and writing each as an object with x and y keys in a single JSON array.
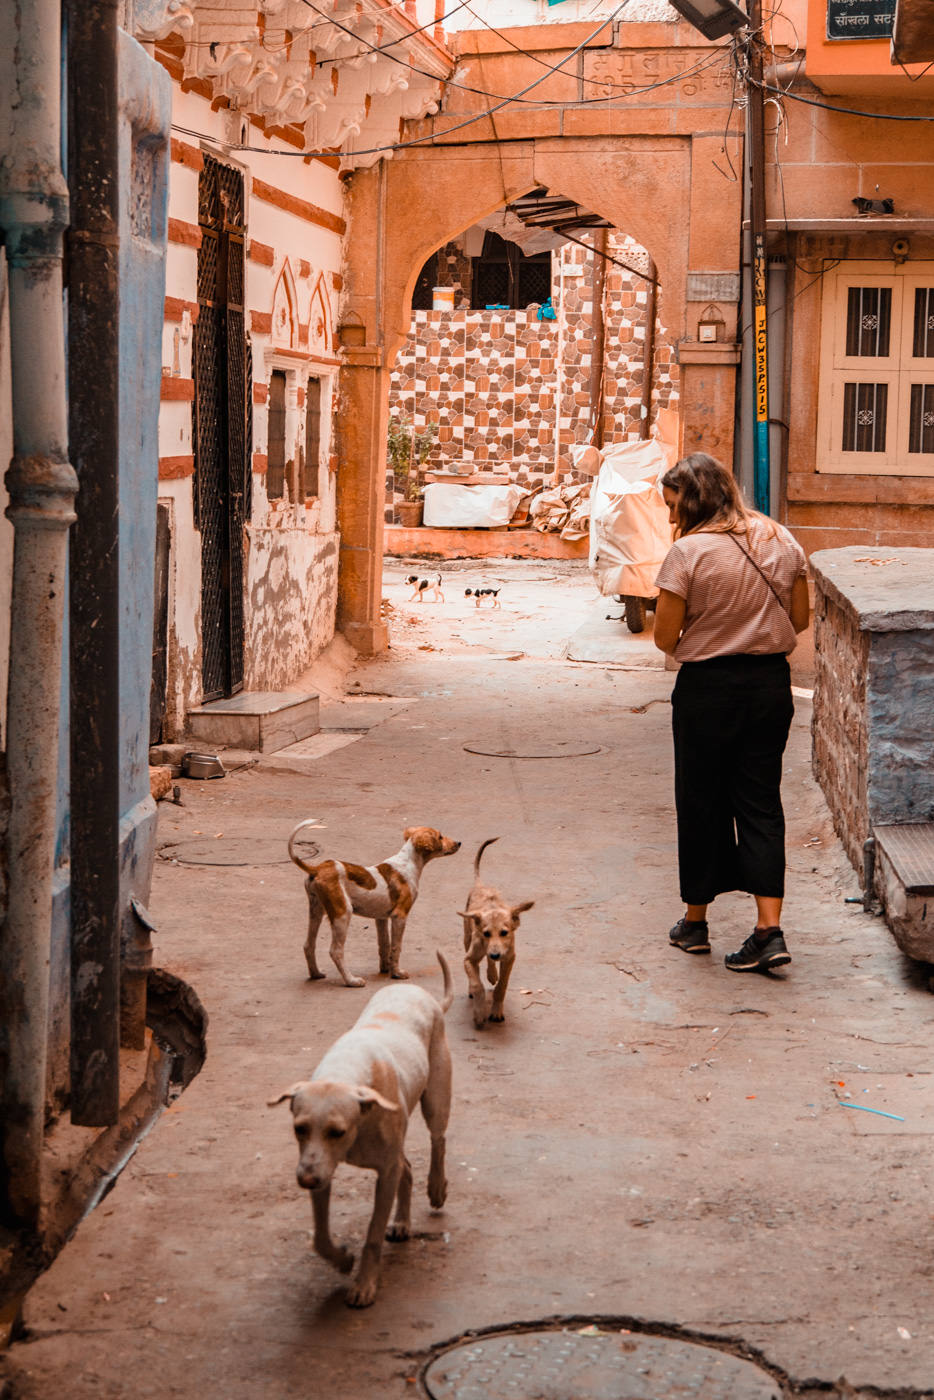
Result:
[
  {"x": 480, "y": 593},
  {"x": 421, "y": 586}
]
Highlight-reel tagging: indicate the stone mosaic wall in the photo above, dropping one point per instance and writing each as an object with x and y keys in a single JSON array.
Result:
[{"x": 491, "y": 380}]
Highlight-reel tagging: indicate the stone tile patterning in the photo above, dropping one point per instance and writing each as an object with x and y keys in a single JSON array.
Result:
[{"x": 491, "y": 379}]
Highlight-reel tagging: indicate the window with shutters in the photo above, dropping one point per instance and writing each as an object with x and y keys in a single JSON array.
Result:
[
  {"x": 312, "y": 461},
  {"x": 876, "y": 410},
  {"x": 275, "y": 468}
]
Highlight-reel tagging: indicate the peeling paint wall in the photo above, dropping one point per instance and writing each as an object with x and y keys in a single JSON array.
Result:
[{"x": 293, "y": 245}]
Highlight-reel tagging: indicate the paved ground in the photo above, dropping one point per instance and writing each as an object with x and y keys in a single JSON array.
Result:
[{"x": 648, "y": 1137}]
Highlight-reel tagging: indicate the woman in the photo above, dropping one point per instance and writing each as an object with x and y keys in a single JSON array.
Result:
[{"x": 733, "y": 597}]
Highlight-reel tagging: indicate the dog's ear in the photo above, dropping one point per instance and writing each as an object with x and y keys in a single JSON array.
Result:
[
  {"x": 409, "y": 833},
  {"x": 474, "y": 918},
  {"x": 286, "y": 1094},
  {"x": 371, "y": 1098},
  {"x": 518, "y": 909}
]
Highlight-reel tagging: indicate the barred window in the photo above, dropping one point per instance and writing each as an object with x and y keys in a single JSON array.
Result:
[{"x": 505, "y": 276}]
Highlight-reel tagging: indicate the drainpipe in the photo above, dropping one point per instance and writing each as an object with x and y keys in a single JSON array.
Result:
[
  {"x": 42, "y": 486},
  {"x": 597, "y": 337},
  {"x": 94, "y": 400},
  {"x": 648, "y": 352},
  {"x": 778, "y": 431}
]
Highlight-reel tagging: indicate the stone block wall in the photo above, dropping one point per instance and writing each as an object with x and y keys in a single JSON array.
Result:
[
  {"x": 873, "y": 727},
  {"x": 491, "y": 379},
  {"x": 838, "y": 734}
]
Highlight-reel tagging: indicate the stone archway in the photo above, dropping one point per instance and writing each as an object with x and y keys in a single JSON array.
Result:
[{"x": 664, "y": 190}]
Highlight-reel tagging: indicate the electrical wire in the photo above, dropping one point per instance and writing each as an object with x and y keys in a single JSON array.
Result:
[
  {"x": 594, "y": 82},
  {"x": 844, "y": 111},
  {"x": 707, "y": 60},
  {"x": 430, "y": 137}
]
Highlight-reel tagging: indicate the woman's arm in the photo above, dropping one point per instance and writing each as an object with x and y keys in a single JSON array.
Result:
[
  {"x": 669, "y": 619},
  {"x": 800, "y": 611}
]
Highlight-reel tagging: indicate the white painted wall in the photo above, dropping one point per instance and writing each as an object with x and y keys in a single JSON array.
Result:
[
  {"x": 520, "y": 13},
  {"x": 291, "y": 546}
]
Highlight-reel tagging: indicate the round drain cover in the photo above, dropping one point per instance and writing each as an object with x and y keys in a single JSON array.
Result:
[
  {"x": 235, "y": 850},
  {"x": 564, "y": 749},
  {"x": 594, "y": 1366}
]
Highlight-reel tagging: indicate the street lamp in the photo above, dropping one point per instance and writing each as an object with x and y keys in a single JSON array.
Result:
[{"x": 713, "y": 18}]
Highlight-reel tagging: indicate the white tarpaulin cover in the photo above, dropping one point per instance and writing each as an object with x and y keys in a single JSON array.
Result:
[
  {"x": 629, "y": 530},
  {"x": 470, "y": 506}
]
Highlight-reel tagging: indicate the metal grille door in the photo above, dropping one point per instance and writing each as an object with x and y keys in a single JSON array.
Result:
[{"x": 222, "y": 442}]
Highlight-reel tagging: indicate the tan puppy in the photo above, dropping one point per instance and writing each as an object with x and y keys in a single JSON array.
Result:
[
  {"x": 489, "y": 932},
  {"x": 384, "y": 892},
  {"x": 356, "y": 1108}
]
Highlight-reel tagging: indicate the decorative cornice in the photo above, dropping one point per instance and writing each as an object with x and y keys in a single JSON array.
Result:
[{"x": 293, "y": 66}]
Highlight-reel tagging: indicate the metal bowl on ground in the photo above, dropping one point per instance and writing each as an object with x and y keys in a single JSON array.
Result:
[{"x": 202, "y": 765}]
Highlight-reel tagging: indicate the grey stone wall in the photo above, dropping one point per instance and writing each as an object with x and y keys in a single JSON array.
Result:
[
  {"x": 838, "y": 732},
  {"x": 873, "y": 726}
]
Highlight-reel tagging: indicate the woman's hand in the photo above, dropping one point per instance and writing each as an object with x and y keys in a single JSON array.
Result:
[
  {"x": 800, "y": 610},
  {"x": 669, "y": 620}
]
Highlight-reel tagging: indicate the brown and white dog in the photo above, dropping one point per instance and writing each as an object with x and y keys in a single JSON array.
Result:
[
  {"x": 355, "y": 1108},
  {"x": 384, "y": 892},
  {"x": 489, "y": 932}
]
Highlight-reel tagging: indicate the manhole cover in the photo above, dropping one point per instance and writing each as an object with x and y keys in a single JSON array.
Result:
[
  {"x": 568, "y": 748},
  {"x": 598, "y": 1366},
  {"x": 235, "y": 850}
]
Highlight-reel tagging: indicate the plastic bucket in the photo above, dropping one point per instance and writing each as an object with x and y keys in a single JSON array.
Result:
[{"x": 442, "y": 298}]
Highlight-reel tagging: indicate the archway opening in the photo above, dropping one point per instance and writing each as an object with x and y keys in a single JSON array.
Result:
[{"x": 534, "y": 332}]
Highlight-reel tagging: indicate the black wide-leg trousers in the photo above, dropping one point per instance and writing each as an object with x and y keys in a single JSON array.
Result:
[{"x": 730, "y": 718}]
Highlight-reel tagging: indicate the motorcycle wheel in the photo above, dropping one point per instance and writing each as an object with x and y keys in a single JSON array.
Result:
[{"x": 635, "y": 614}]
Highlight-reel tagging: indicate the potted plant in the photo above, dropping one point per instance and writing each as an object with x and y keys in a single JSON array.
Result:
[{"x": 407, "y": 449}]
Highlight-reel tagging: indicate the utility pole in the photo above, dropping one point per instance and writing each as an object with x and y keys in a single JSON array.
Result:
[{"x": 755, "y": 154}]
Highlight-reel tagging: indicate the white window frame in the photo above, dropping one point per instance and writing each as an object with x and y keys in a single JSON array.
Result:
[{"x": 899, "y": 370}]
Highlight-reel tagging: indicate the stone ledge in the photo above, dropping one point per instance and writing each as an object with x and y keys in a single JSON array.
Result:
[
  {"x": 896, "y": 596},
  {"x": 428, "y": 542}
]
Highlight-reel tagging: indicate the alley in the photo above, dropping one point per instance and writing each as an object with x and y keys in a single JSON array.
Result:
[{"x": 647, "y": 1138}]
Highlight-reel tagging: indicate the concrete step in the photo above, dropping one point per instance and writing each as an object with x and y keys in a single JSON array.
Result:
[{"x": 262, "y": 721}]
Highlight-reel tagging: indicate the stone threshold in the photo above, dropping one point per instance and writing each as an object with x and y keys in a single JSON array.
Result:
[{"x": 432, "y": 542}]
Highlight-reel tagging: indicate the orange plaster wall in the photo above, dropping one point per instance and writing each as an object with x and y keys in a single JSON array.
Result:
[{"x": 861, "y": 66}]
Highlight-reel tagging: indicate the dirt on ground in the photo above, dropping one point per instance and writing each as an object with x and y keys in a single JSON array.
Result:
[{"x": 647, "y": 1139}]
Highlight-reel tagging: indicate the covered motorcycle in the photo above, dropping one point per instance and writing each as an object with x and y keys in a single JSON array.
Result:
[{"x": 629, "y": 530}]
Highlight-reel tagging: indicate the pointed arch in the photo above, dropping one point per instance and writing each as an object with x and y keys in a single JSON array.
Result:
[
  {"x": 320, "y": 321},
  {"x": 285, "y": 309}
]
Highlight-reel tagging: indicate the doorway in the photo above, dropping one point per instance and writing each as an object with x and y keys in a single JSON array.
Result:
[{"x": 222, "y": 445}]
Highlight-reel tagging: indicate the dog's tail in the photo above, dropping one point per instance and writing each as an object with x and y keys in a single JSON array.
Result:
[
  {"x": 448, "y": 983},
  {"x": 476, "y": 863},
  {"x": 302, "y": 864}
]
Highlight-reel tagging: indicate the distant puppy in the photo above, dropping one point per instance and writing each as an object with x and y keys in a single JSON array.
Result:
[
  {"x": 421, "y": 586},
  {"x": 489, "y": 932},
  {"x": 384, "y": 892},
  {"x": 478, "y": 593},
  {"x": 356, "y": 1108}
]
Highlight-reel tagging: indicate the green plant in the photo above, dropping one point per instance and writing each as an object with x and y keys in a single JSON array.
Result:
[{"x": 407, "y": 447}]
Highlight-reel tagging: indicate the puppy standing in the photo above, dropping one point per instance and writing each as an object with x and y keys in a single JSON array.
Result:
[
  {"x": 384, "y": 892},
  {"x": 420, "y": 586},
  {"x": 356, "y": 1108},
  {"x": 489, "y": 932}
]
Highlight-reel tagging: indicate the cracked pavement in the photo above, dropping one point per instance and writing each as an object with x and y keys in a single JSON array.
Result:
[{"x": 646, "y": 1137}]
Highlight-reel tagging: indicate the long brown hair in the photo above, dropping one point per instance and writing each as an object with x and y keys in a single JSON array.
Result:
[{"x": 709, "y": 497}]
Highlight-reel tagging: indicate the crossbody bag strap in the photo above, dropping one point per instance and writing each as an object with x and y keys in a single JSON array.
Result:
[{"x": 761, "y": 572}]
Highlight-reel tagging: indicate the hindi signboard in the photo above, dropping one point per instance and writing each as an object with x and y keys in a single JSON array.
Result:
[{"x": 860, "y": 19}]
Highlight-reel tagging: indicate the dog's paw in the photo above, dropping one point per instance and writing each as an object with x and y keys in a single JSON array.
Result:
[
  {"x": 399, "y": 975},
  {"x": 354, "y": 981},
  {"x": 437, "y": 1195},
  {"x": 343, "y": 1260},
  {"x": 497, "y": 1014},
  {"x": 361, "y": 1295},
  {"x": 384, "y": 969},
  {"x": 315, "y": 976},
  {"x": 479, "y": 1020},
  {"x": 397, "y": 1231}
]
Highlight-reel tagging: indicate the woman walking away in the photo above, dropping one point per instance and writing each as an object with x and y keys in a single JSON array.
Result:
[{"x": 733, "y": 597}]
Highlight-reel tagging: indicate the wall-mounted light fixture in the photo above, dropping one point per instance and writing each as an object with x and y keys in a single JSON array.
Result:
[{"x": 713, "y": 18}]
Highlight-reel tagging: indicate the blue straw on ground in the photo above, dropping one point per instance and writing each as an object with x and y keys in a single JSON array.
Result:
[{"x": 864, "y": 1108}]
